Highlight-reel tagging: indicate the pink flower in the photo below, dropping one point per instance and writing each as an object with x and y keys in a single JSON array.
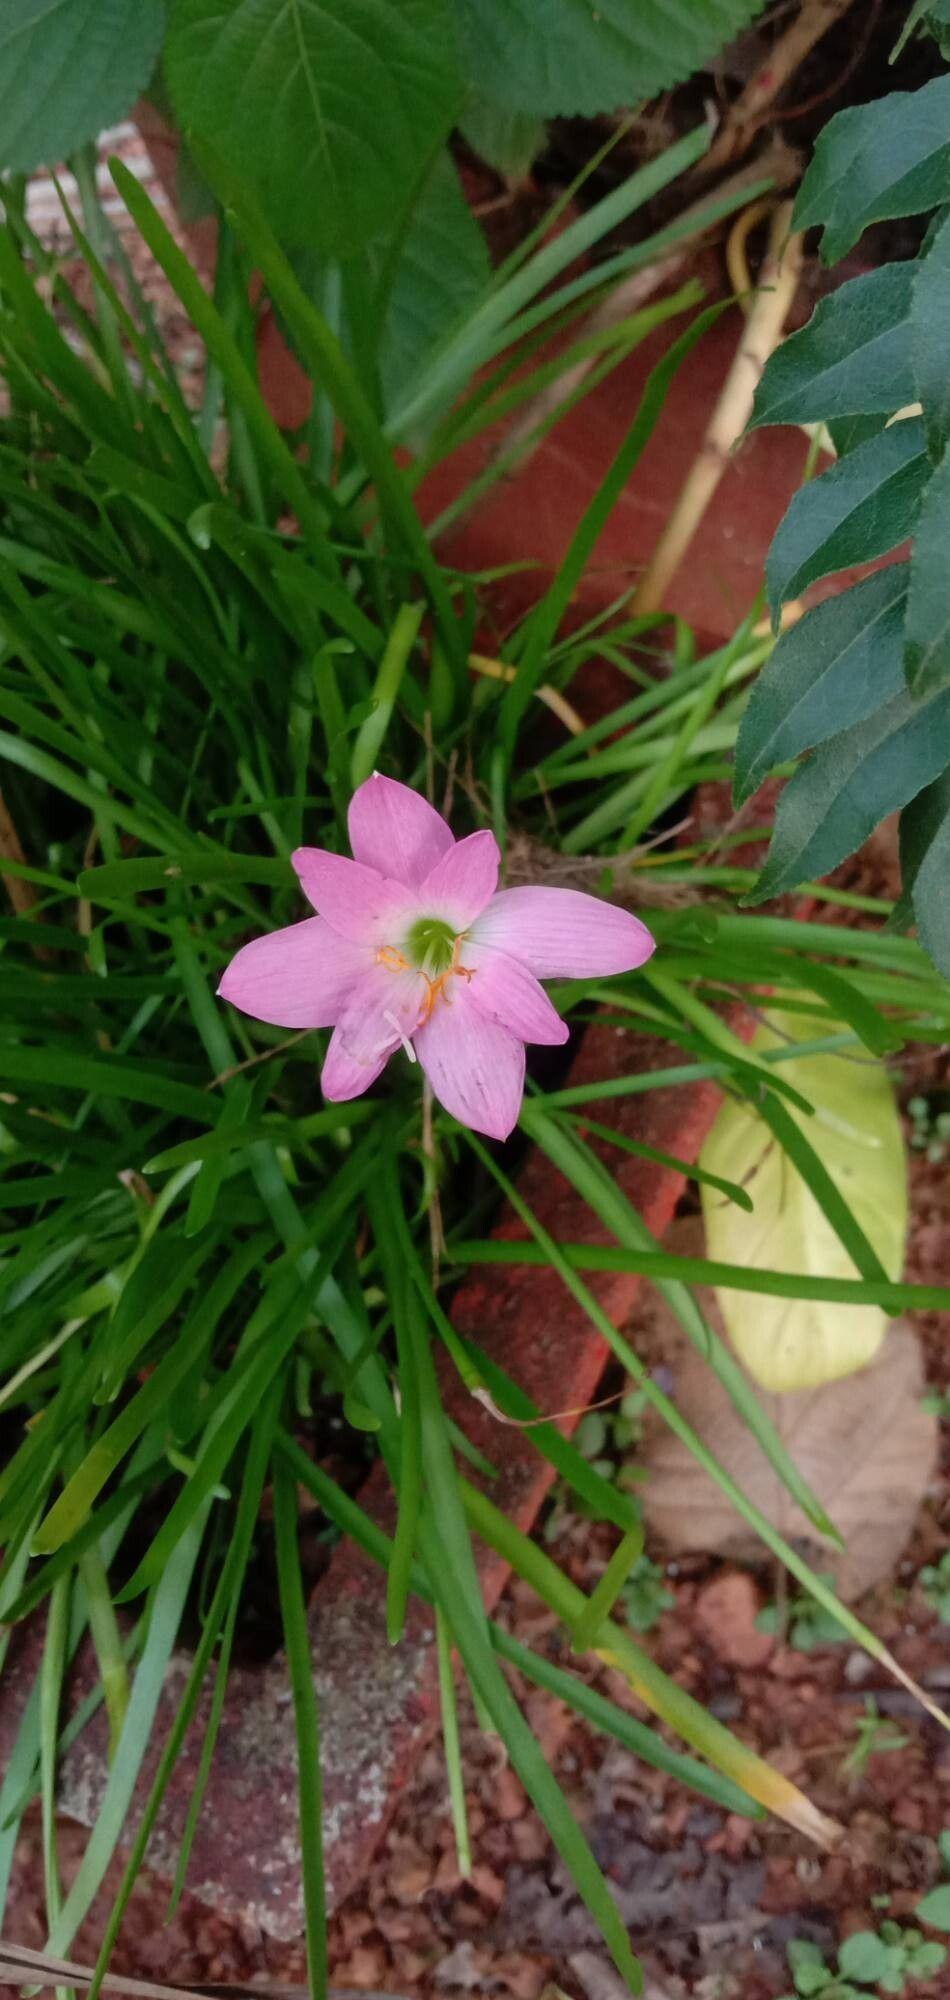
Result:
[{"x": 413, "y": 947}]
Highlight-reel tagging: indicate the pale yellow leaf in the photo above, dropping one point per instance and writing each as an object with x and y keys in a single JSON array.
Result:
[{"x": 800, "y": 1343}]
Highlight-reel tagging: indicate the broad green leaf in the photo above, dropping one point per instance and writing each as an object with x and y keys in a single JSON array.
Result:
[
  {"x": 799, "y": 1343},
  {"x": 510, "y": 140},
  {"x": 871, "y": 1959},
  {"x": 857, "y": 510},
  {"x": 929, "y": 319},
  {"x": 846, "y": 433},
  {"x": 442, "y": 273},
  {"x": 848, "y": 786},
  {"x": 805, "y": 1959},
  {"x": 879, "y": 160},
  {"x": 565, "y": 56},
  {"x": 935, "y": 1908},
  {"x": 925, "y": 866},
  {"x": 333, "y": 107},
  {"x": 852, "y": 359},
  {"x": 927, "y": 653},
  {"x": 833, "y": 669},
  {"x": 68, "y": 68}
]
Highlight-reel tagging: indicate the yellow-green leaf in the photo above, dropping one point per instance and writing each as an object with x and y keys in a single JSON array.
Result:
[{"x": 799, "y": 1343}]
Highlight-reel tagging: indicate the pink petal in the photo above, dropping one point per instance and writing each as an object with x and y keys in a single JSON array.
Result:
[
  {"x": 295, "y": 978},
  {"x": 507, "y": 992},
  {"x": 460, "y": 885},
  {"x": 357, "y": 901},
  {"x": 563, "y": 934},
  {"x": 475, "y": 1067},
  {"x": 343, "y": 1076},
  {"x": 396, "y": 831},
  {"x": 382, "y": 1009},
  {"x": 380, "y": 1012}
]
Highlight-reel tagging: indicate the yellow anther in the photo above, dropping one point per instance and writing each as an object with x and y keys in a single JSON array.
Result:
[
  {"x": 435, "y": 987},
  {"x": 392, "y": 959}
]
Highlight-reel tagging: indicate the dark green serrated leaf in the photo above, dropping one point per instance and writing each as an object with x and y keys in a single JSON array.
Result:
[
  {"x": 848, "y": 786},
  {"x": 334, "y": 106},
  {"x": 856, "y": 511},
  {"x": 564, "y": 56},
  {"x": 925, "y": 867},
  {"x": 929, "y": 319},
  {"x": 67, "y": 68},
  {"x": 442, "y": 272},
  {"x": 927, "y": 652},
  {"x": 833, "y": 669},
  {"x": 851, "y": 360},
  {"x": 508, "y": 139},
  {"x": 875, "y": 161}
]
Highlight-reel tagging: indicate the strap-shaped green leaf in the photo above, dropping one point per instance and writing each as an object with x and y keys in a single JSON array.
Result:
[
  {"x": 833, "y": 669},
  {"x": 857, "y": 510},
  {"x": 852, "y": 359},
  {"x": 848, "y": 786},
  {"x": 888, "y": 158}
]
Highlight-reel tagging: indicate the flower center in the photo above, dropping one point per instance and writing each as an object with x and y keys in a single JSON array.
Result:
[
  {"x": 433, "y": 950},
  {"x": 431, "y": 946}
]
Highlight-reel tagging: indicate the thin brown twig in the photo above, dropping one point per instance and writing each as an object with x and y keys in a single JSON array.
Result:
[
  {"x": 530, "y": 861},
  {"x": 22, "y": 893},
  {"x": 761, "y": 335},
  {"x": 449, "y": 792},
  {"x": 832, "y": 89},
  {"x": 250, "y": 1062},
  {"x": 502, "y": 670},
  {"x": 786, "y": 55},
  {"x": 487, "y": 1400}
]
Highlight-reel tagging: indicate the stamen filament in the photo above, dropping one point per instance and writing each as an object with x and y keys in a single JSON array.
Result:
[{"x": 397, "y": 1030}]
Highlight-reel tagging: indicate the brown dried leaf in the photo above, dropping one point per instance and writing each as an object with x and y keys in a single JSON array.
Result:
[{"x": 864, "y": 1444}]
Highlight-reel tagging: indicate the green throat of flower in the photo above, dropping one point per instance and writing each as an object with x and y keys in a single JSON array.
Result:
[{"x": 431, "y": 946}]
